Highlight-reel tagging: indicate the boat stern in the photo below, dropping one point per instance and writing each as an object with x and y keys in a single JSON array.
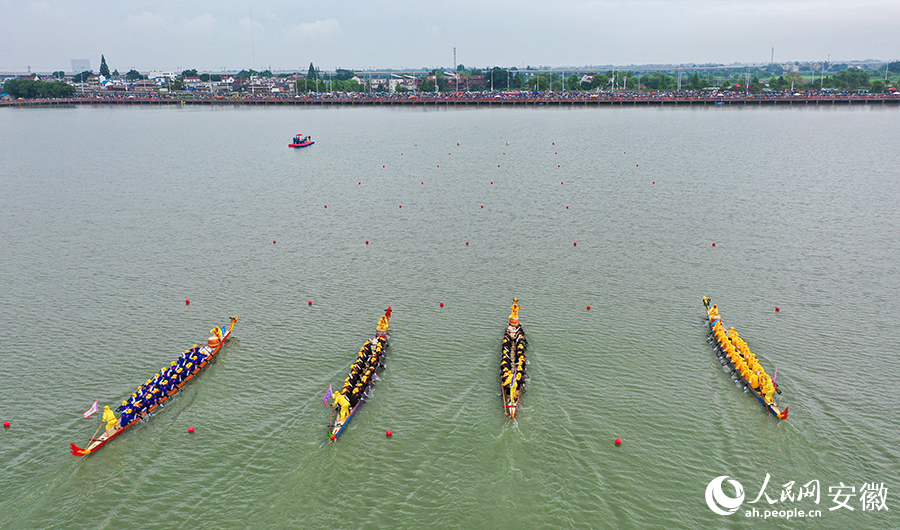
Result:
[{"x": 78, "y": 451}]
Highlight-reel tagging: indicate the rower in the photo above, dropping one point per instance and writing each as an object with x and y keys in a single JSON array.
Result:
[
  {"x": 154, "y": 397},
  {"x": 127, "y": 416},
  {"x": 354, "y": 397}
]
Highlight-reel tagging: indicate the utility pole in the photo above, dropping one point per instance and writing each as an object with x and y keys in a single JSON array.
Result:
[{"x": 455, "y": 69}]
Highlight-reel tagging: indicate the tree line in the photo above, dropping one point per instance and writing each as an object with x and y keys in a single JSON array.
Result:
[{"x": 33, "y": 88}]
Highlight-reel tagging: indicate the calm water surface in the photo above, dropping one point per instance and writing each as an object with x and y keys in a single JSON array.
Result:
[{"x": 110, "y": 218}]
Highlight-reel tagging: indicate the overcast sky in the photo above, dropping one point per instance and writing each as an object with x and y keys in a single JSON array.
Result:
[{"x": 288, "y": 35}]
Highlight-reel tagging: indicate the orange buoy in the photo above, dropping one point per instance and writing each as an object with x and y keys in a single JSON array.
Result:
[
  {"x": 6, "y": 425},
  {"x": 467, "y": 243},
  {"x": 442, "y": 304},
  {"x": 575, "y": 244},
  {"x": 326, "y": 206},
  {"x": 567, "y": 207},
  {"x": 589, "y": 306},
  {"x": 401, "y": 206},
  {"x": 367, "y": 241},
  {"x": 714, "y": 244},
  {"x": 310, "y": 302},
  {"x": 273, "y": 241},
  {"x": 777, "y": 309},
  {"x": 482, "y": 206},
  {"x": 388, "y": 433},
  {"x": 333, "y": 437},
  {"x": 190, "y": 429},
  {"x": 187, "y": 302},
  {"x": 618, "y": 441}
]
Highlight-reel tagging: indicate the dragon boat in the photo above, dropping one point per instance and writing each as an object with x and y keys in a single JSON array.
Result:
[
  {"x": 157, "y": 390},
  {"x": 513, "y": 364},
  {"x": 301, "y": 141},
  {"x": 736, "y": 358},
  {"x": 361, "y": 378}
]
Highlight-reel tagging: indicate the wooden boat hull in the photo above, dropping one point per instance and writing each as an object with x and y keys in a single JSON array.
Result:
[
  {"x": 773, "y": 407},
  {"x": 94, "y": 444}
]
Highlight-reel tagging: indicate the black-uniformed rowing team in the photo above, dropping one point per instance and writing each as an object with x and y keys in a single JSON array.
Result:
[
  {"x": 513, "y": 355},
  {"x": 159, "y": 386},
  {"x": 370, "y": 359}
]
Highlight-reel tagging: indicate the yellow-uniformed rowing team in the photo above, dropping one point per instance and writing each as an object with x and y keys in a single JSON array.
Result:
[
  {"x": 513, "y": 354},
  {"x": 742, "y": 358},
  {"x": 359, "y": 378}
]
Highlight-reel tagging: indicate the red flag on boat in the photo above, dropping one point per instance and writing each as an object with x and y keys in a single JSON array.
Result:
[
  {"x": 94, "y": 408},
  {"x": 327, "y": 396}
]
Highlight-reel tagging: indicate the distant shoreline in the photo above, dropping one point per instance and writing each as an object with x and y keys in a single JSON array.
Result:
[{"x": 471, "y": 100}]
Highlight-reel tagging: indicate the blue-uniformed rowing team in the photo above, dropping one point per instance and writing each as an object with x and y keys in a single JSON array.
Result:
[{"x": 161, "y": 384}]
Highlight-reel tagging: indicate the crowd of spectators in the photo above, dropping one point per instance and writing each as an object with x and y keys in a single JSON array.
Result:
[{"x": 501, "y": 97}]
